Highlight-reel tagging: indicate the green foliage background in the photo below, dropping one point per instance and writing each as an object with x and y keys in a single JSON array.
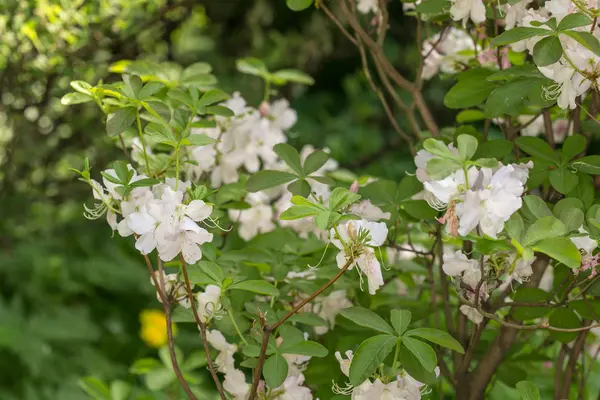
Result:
[{"x": 69, "y": 293}]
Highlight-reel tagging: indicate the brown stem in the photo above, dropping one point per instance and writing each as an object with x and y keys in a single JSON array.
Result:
[
  {"x": 548, "y": 127},
  {"x": 167, "y": 307},
  {"x": 267, "y": 329},
  {"x": 202, "y": 325},
  {"x": 568, "y": 374}
]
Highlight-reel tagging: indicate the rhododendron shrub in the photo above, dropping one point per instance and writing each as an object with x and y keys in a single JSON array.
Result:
[{"x": 305, "y": 281}]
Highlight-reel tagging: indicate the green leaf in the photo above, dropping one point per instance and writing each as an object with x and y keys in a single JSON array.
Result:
[
  {"x": 543, "y": 228},
  {"x": 530, "y": 295},
  {"x": 119, "y": 390},
  {"x": 252, "y": 66},
  {"x": 561, "y": 249},
  {"x": 212, "y": 96},
  {"x": 467, "y": 146},
  {"x": 508, "y": 98},
  {"x": 563, "y": 180},
  {"x": 267, "y": 179},
  {"x": 299, "y": 188},
  {"x": 486, "y": 163},
  {"x": 586, "y": 39},
  {"x": 422, "y": 351},
  {"x": 438, "y": 148},
  {"x": 537, "y": 206},
  {"x": 400, "y": 320},
  {"x": 438, "y": 337},
  {"x": 275, "y": 370},
  {"x": 573, "y": 145},
  {"x": 574, "y": 20},
  {"x": 537, "y": 148},
  {"x": 308, "y": 318},
  {"x": 368, "y": 319},
  {"x": 517, "y": 34},
  {"x": 528, "y": 391},
  {"x": 564, "y": 318},
  {"x": 469, "y": 116},
  {"x": 497, "y": 149},
  {"x": 304, "y": 348},
  {"x": 432, "y": 6},
  {"x": 297, "y": 212},
  {"x": 120, "y": 120},
  {"x": 515, "y": 227},
  {"x": 221, "y": 111},
  {"x": 133, "y": 84},
  {"x": 341, "y": 198},
  {"x": 200, "y": 139},
  {"x": 95, "y": 388},
  {"x": 81, "y": 86},
  {"x": 419, "y": 209},
  {"x": 439, "y": 168},
  {"x": 547, "y": 51},
  {"x": 256, "y": 286},
  {"x": 314, "y": 161},
  {"x": 571, "y": 217},
  {"x": 369, "y": 355},
  {"x": 414, "y": 368},
  {"x": 298, "y": 5},
  {"x": 588, "y": 164},
  {"x": 469, "y": 92},
  {"x": 284, "y": 76},
  {"x": 149, "y": 89},
  {"x": 75, "y": 98},
  {"x": 290, "y": 156}
]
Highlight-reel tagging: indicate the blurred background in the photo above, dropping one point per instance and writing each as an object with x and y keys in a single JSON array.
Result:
[{"x": 73, "y": 300}]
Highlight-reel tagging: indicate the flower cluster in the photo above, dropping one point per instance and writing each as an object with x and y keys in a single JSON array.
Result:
[{"x": 480, "y": 199}]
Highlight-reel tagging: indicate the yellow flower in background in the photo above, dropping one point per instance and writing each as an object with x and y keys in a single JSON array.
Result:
[{"x": 154, "y": 328}]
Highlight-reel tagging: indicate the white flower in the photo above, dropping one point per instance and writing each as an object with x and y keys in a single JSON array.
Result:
[
  {"x": 208, "y": 302},
  {"x": 329, "y": 307},
  {"x": 344, "y": 363},
  {"x": 560, "y": 8},
  {"x": 522, "y": 270},
  {"x": 515, "y": 13},
  {"x": 224, "y": 360},
  {"x": 569, "y": 84},
  {"x": 534, "y": 128},
  {"x": 292, "y": 389},
  {"x": 363, "y": 254},
  {"x": 367, "y": 6},
  {"x": 235, "y": 384},
  {"x": 456, "y": 263},
  {"x": 465, "y": 9},
  {"x": 471, "y": 313},
  {"x": 366, "y": 210},
  {"x": 254, "y": 220},
  {"x": 584, "y": 242}
]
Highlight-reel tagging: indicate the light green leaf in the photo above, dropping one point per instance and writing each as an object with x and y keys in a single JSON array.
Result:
[
  {"x": 543, "y": 228},
  {"x": 119, "y": 390},
  {"x": 120, "y": 120},
  {"x": 438, "y": 337},
  {"x": 422, "y": 351},
  {"x": 256, "y": 286},
  {"x": 467, "y": 146},
  {"x": 267, "y": 179},
  {"x": 200, "y": 139},
  {"x": 298, "y": 5},
  {"x": 275, "y": 370},
  {"x": 561, "y": 249},
  {"x": 440, "y": 168},
  {"x": 252, "y": 66},
  {"x": 284, "y": 76},
  {"x": 515, "y": 227},
  {"x": 297, "y": 212},
  {"x": 341, "y": 198},
  {"x": 221, "y": 111},
  {"x": 95, "y": 388},
  {"x": 469, "y": 92},
  {"x": 400, "y": 320},
  {"x": 308, "y": 318},
  {"x": 299, "y": 187},
  {"x": 213, "y": 96},
  {"x": 368, "y": 319},
  {"x": 528, "y": 391},
  {"x": 75, "y": 98},
  {"x": 537, "y": 206},
  {"x": 438, "y": 148},
  {"x": 369, "y": 355},
  {"x": 413, "y": 366}
]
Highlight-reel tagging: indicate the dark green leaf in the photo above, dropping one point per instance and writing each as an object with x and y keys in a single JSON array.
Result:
[
  {"x": 213, "y": 96},
  {"x": 517, "y": 34},
  {"x": 221, "y": 111},
  {"x": 368, "y": 319},
  {"x": 588, "y": 164},
  {"x": 256, "y": 286},
  {"x": 120, "y": 120},
  {"x": 314, "y": 161},
  {"x": 574, "y": 20},
  {"x": 564, "y": 318},
  {"x": 543, "y": 228},
  {"x": 299, "y": 187},
  {"x": 469, "y": 92},
  {"x": 369, "y": 355},
  {"x": 573, "y": 145},
  {"x": 290, "y": 156},
  {"x": 537, "y": 148},
  {"x": 414, "y": 368},
  {"x": 275, "y": 370},
  {"x": 400, "y": 320},
  {"x": 586, "y": 39},
  {"x": 547, "y": 51},
  {"x": 432, "y": 6},
  {"x": 497, "y": 149},
  {"x": 308, "y": 318},
  {"x": 563, "y": 180},
  {"x": 422, "y": 352},
  {"x": 304, "y": 348},
  {"x": 530, "y": 295},
  {"x": 438, "y": 337}
]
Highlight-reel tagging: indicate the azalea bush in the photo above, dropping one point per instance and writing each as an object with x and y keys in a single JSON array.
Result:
[{"x": 474, "y": 277}]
